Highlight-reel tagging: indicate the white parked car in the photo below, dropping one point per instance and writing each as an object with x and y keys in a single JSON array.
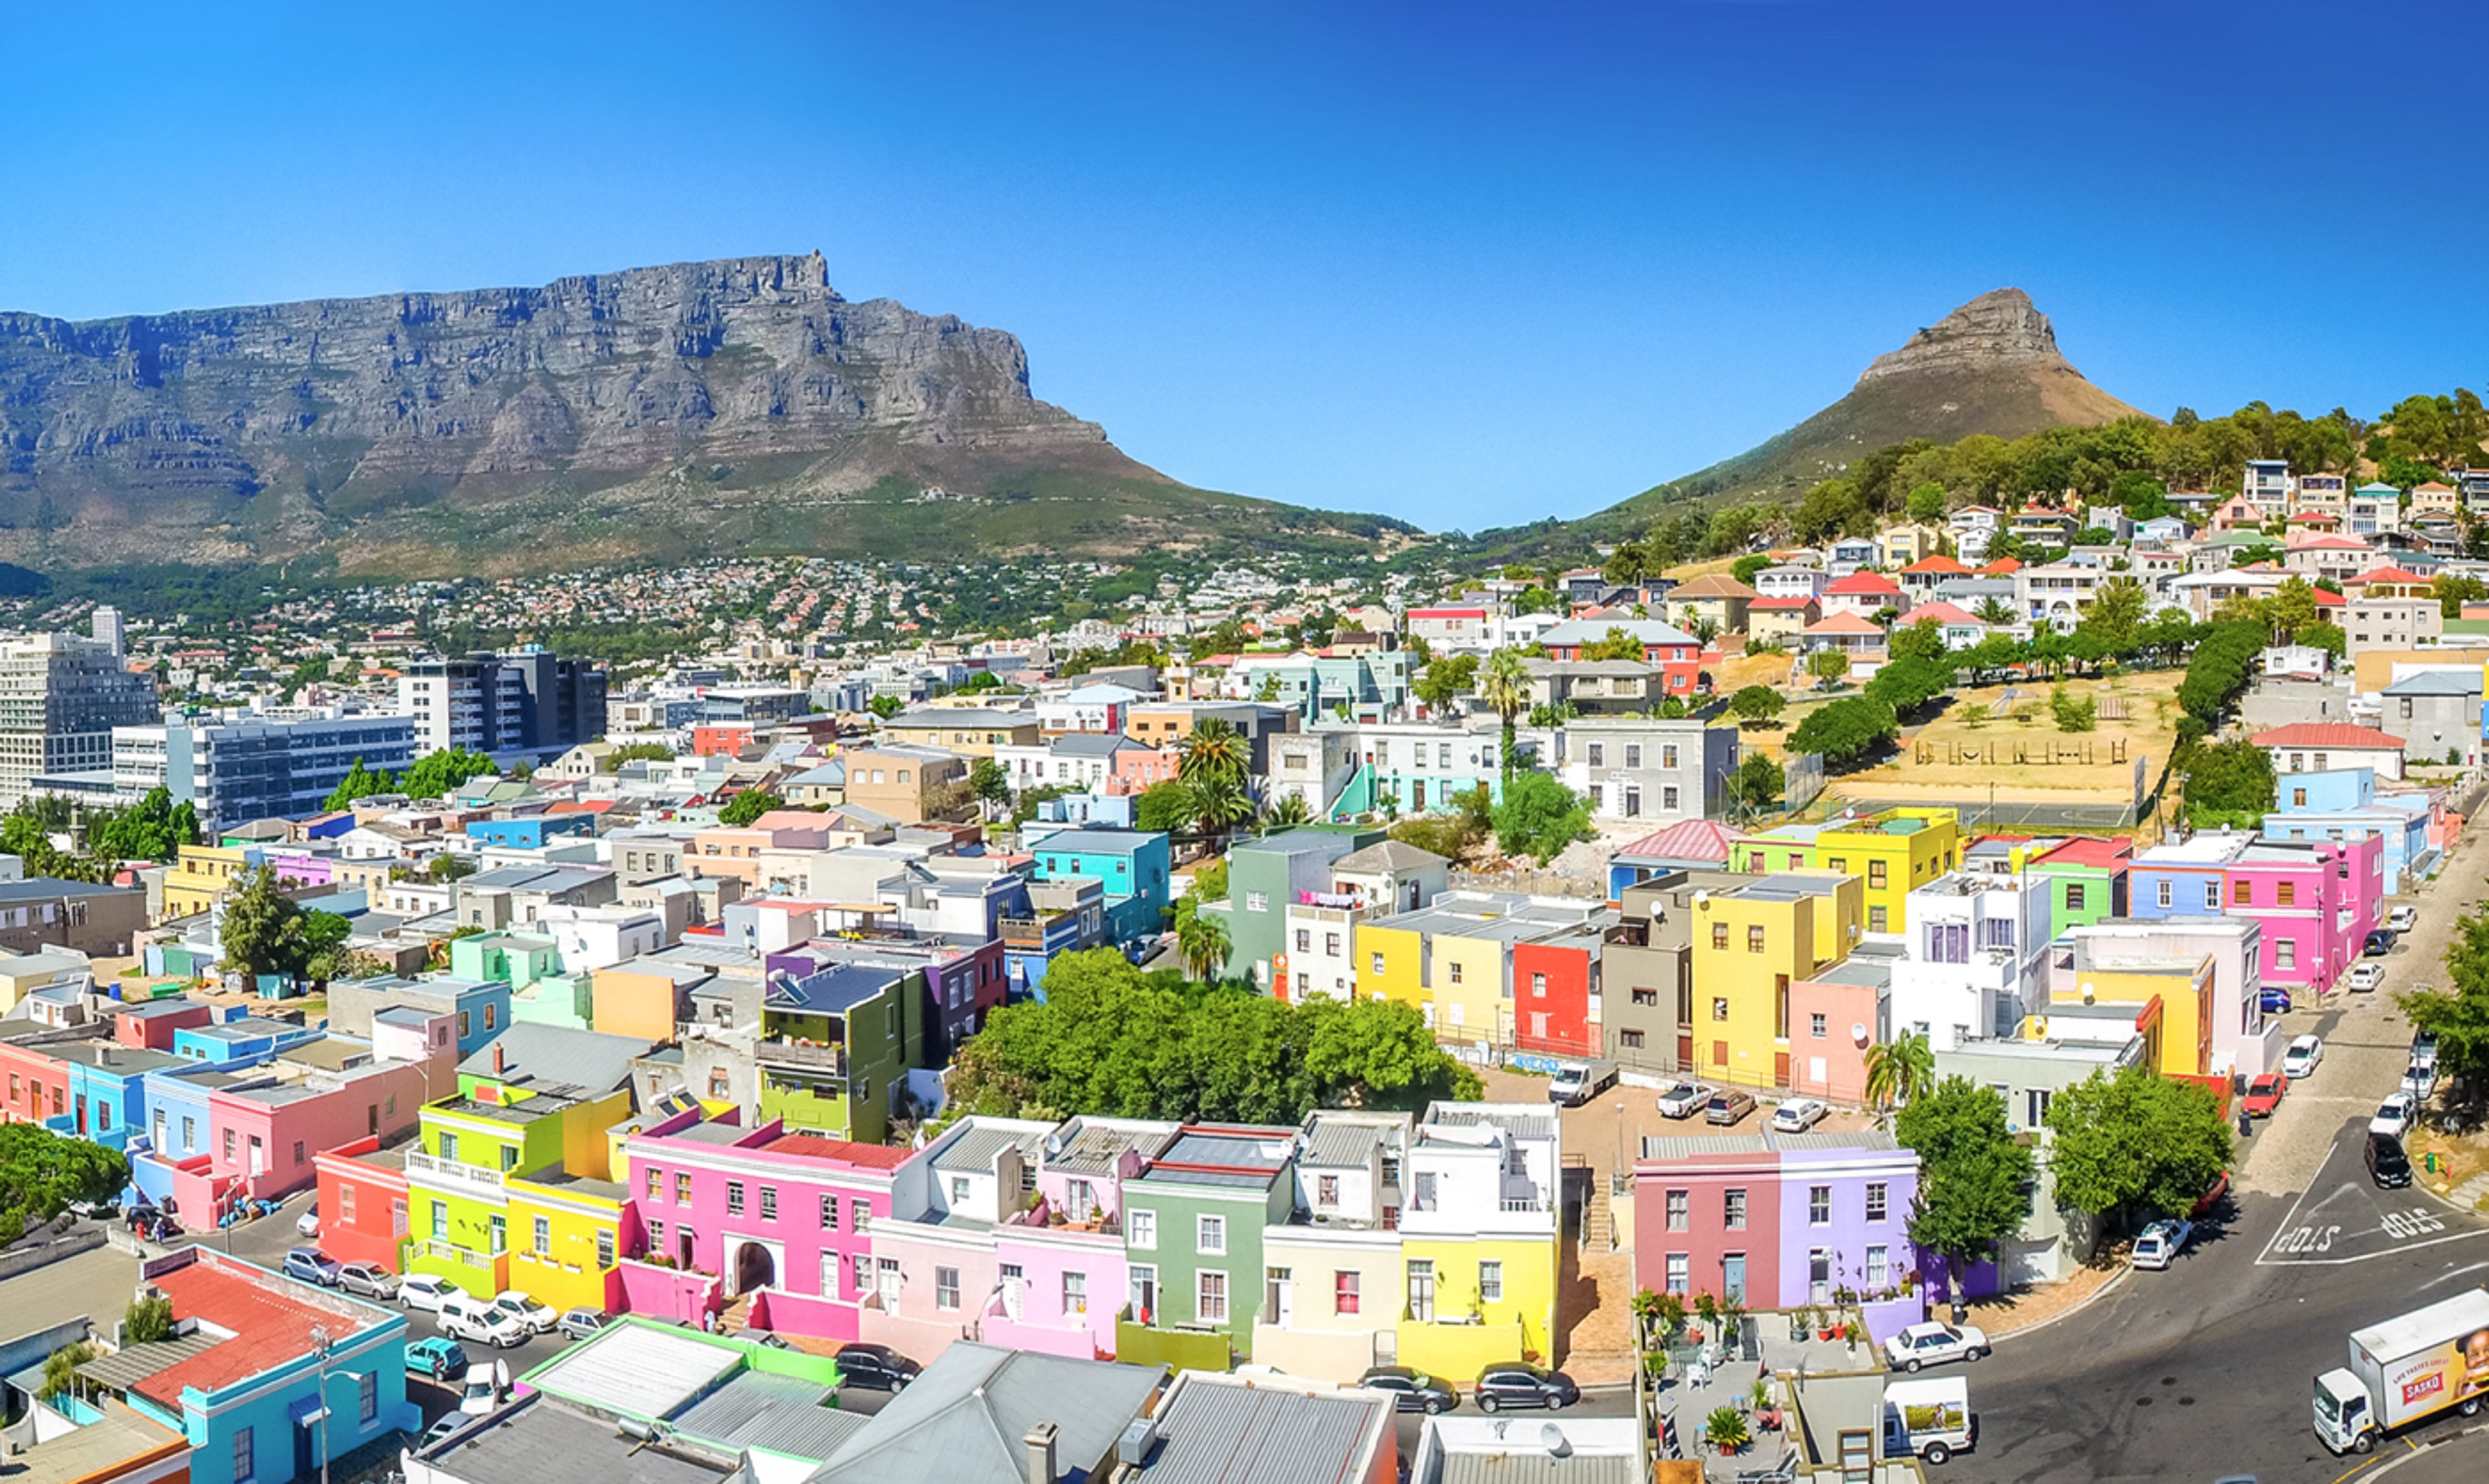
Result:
[
  {"x": 1798, "y": 1115},
  {"x": 539, "y": 1318},
  {"x": 2394, "y": 1119},
  {"x": 425, "y": 1291},
  {"x": 1932, "y": 1342},
  {"x": 465, "y": 1318},
  {"x": 2367, "y": 975},
  {"x": 1683, "y": 1100},
  {"x": 487, "y": 1382},
  {"x": 308, "y": 1223},
  {"x": 2403, "y": 918},
  {"x": 2303, "y": 1056},
  {"x": 2160, "y": 1242},
  {"x": 2420, "y": 1079}
]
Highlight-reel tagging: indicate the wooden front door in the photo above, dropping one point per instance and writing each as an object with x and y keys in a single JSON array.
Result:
[{"x": 1780, "y": 1069}]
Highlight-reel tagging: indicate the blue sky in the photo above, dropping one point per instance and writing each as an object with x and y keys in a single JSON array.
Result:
[{"x": 1470, "y": 265}]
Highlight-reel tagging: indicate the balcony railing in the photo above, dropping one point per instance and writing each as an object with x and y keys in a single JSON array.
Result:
[
  {"x": 798, "y": 1053},
  {"x": 477, "y": 1176}
]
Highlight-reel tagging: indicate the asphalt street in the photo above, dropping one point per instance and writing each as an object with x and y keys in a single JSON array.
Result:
[{"x": 2208, "y": 1369}]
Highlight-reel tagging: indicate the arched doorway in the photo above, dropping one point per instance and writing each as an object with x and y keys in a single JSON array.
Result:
[{"x": 754, "y": 1268}]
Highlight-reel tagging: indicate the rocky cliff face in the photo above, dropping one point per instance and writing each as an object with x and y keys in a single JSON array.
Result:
[
  {"x": 1997, "y": 331},
  {"x": 648, "y": 411}
]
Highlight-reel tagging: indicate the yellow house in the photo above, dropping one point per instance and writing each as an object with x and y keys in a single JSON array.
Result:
[
  {"x": 513, "y": 1190},
  {"x": 1452, "y": 958},
  {"x": 1749, "y": 944},
  {"x": 1894, "y": 852},
  {"x": 1478, "y": 1237},
  {"x": 569, "y": 1231},
  {"x": 200, "y": 876},
  {"x": 2168, "y": 1001}
]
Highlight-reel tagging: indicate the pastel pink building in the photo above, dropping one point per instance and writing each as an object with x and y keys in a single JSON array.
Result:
[
  {"x": 2316, "y": 901},
  {"x": 1833, "y": 1020},
  {"x": 766, "y": 1211},
  {"x": 261, "y": 1138},
  {"x": 935, "y": 1267},
  {"x": 1059, "y": 1268},
  {"x": 1139, "y": 769}
]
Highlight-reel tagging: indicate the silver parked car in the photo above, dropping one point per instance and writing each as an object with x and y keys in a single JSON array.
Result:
[{"x": 368, "y": 1279}]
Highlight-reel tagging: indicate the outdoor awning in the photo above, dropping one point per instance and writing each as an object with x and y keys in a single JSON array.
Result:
[{"x": 306, "y": 1411}]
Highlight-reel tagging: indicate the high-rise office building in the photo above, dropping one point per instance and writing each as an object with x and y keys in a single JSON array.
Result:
[
  {"x": 61, "y": 695},
  {"x": 276, "y": 766},
  {"x": 529, "y": 700},
  {"x": 108, "y": 630}
]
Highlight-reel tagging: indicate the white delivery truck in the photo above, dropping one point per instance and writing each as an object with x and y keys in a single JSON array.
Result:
[
  {"x": 1576, "y": 1083},
  {"x": 1929, "y": 1416},
  {"x": 2405, "y": 1369}
]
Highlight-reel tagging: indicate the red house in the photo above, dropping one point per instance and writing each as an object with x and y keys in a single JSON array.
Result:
[
  {"x": 150, "y": 1024},
  {"x": 38, "y": 1086},
  {"x": 1708, "y": 1223},
  {"x": 363, "y": 1202},
  {"x": 1551, "y": 984}
]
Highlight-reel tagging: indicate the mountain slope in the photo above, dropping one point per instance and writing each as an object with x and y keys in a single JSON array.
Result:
[
  {"x": 1992, "y": 366},
  {"x": 688, "y": 409}
]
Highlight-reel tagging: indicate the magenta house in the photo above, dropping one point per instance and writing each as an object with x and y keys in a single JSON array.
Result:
[
  {"x": 2315, "y": 901},
  {"x": 790, "y": 1216},
  {"x": 1779, "y": 1221}
]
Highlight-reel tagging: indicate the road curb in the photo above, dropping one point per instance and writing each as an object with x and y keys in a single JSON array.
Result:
[
  {"x": 2414, "y": 1454},
  {"x": 2447, "y": 1200},
  {"x": 2099, "y": 1293}
]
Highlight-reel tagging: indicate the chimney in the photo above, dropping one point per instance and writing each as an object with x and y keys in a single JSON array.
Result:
[
  {"x": 1041, "y": 1453},
  {"x": 497, "y": 1058}
]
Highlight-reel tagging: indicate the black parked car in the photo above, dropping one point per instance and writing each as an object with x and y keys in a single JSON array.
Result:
[
  {"x": 2378, "y": 944},
  {"x": 878, "y": 1366},
  {"x": 2387, "y": 1165},
  {"x": 1412, "y": 1390},
  {"x": 1518, "y": 1384}
]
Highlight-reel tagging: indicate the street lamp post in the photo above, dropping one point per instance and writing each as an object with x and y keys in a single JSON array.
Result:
[{"x": 319, "y": 1338}]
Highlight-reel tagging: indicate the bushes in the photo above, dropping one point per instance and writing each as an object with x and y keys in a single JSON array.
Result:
[
  {"x": 2225, "y": 663},
  {"x": 2073, "y": 713}
]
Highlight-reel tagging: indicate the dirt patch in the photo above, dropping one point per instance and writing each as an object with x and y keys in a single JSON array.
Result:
[
  {"x": 2459, "y": 1156},
  {"x": 2007, "y": 1313}
]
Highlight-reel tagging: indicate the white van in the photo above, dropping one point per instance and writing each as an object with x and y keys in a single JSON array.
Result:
[
  {"x": 1929, "y": 1417},
  {"x": 470, "y": 1318}
]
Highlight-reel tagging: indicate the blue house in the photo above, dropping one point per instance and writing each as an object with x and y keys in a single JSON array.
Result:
[
  {"x": 1092, "y": 811},
  {"x": 250, "y": 1388},
  {"x": 173, "y": 1125},
  {"x": 241, "y": 1042},
  {"x": 1130, "y": 867},
  {"x": 529, "y": 831},
  {"x": 2343, "y": 804},
  {"x": 108, "y": 1087},
  {"x": 1061, "y": 916}
]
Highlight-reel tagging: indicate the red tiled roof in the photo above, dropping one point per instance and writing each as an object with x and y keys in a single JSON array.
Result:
[
  {"x": 1780, "y": 605},
  {"x": 2002, "y": 566},
  {"x": 270, "y": 1319},
  {"x": 2315, "y": 517},
  {"x": 2106, "y": 854},
  {"x": 1688, "y": 840},
  {"x": 2326, "y": 735},
  {"x": 1863, "y": 581},
  {"x": 812, "y": 1145},
  {"x": 2389, "y": 575},
  {"x": 1939, "y": 562},
  {"x": 2330, "y": 544},
  {"x": 1942, "y": 613},
  {"x": 1844, "y": 623},
  {"x": 2329, "y": 599}
]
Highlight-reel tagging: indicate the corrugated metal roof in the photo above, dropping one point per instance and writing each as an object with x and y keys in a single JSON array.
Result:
[
  {"x": 1338, "y": 1142},
  {"x": 975, "y": 1149},
  {"x": 1224, "y": 1432},
  {"x": 962, "y": 1419},
  {"x": 128, "y": 1367},
  {"x": 643, "y": 1370},
  {"x": 1532, "y": 1466},
  {"x": 780, "y": 1414}
]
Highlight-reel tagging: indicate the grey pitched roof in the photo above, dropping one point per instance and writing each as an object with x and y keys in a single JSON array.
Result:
[
  {"x": 1219, "y": 1430},
  {"x": 777, "y": 1414},
  {"x": 1336, "y": 1143},
  {"x": 1096, "y": 842},
  {"x": 554, "y": 1057},
  {"x": 963, "y": 1420},
  {"x": 2436, "y": 682},
  {"x": 1389, "y": 855},
  {"x": 975, "y": 1149}
]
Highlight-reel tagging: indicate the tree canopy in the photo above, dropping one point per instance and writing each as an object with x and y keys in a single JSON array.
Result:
[
  {"x": 41, "y": 1172},
  {"x": 436, "y": 775},
  {"x": 749, "y": 805},
  {"x": 1757, "y": 703},
  {"x": 2460, "y": 1016},
  {"x": 1845, "y": 732},
  {"x": 1111, "y": 1040},
  {"x": 2135, "y": 1142},
  {"x": 1972, "y": 1171},
  {"x": 1538, "y": 817},
  {"x": 2226, "y": 783}
]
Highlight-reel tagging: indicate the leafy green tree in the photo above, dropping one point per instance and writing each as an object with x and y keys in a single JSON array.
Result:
[
  {"x": 986, "y": 778},
  {"x": 1443, "y": 680},
  {"x": 61, "y": 1368},
  {"x": 1907, "y": 684},
  {"x": 2073, "y": 713},
  {"x": 1845, "y": 732},
  {"x": 1757, "y": 782},
  {"x": 262, "y": 930},
  {"x": 632, "y": 752},
  {"x": 41, "y": 1172},
  {"x": 1972, "y": 1172},
  {"x": 2226, "y": 783},
  {"x": 1926, "y": 506},
  {"x": 1164, "y": 806},
  {"x": 1828, "y": 664},
  {"x": 1202, "y": 941},
  {"x": 361, "y": 783},
  {"x": 1615, "y": 644},
  {"x": 1758, "y": 704},
  {"x": 2453, "y": 592},
  {"x": 1538, "y": 817},
  {"x": 151, "y": 830},
  {"x": 2141, "y": 495},
  {"x": 2294, "y": 606},
  {"x": 2135, "y": 1143},
  {"x": 888, "y": 706},
  {"x": 2116, "y": 617},
  {"x": 2458, "y": 1016},
  {"x": 148, "y": 1320},
  {"x": 1923, "y": 640},
  {"x": 749, "y": 805},
  {"x": 1504, "y": 686},
  {"x": 437, "y": 775},
  {"x": 1289, "y": 812},
  {"x": 1748, "y": 567}
]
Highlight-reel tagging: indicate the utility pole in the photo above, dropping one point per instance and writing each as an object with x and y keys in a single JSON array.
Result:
[{"x": 321, "y": 1339}]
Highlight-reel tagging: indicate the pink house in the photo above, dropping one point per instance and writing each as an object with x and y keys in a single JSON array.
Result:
[
  {"x": 1833, "y": 1020},
  {"x": 1865, "y": 594},
  {"x": 261, "y": 1139},
  {"x": 934, "y": 1266},
  {"x": 2317, "y": 903},
  {"x": 1059, "y": 1268},
  {"x": 792, "y": 1214},
  {"x": 150, "y": 1024},
  {"x": 1138, "y": 769}
]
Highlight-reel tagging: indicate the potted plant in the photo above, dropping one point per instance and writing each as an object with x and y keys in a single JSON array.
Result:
[
  {"x": 1708, "y": 1307},
  {"x": 1726, "y": 1428},
  {"x": 1671, "y": 1312},
  {"x": 1824, "y": 1325},
  {"x": 1647, "y": 1309},
  {"x": 1760, "y": 1400}
]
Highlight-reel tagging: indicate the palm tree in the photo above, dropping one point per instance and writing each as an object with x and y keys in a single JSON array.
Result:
[
  {"x": 1214, "y": 750},
  {"x": 1201, "y": 941},
  {"x": 1290, "y": 812},
  {"x": 1995, "y": 610},
  {"x": 1220, "y": 805},
  {"x": 1900, "y": 1071},
  {"x": 1503, "y": 684}
]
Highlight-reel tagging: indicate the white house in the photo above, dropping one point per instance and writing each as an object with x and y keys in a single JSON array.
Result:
[{"x": 2325, "y": 747}]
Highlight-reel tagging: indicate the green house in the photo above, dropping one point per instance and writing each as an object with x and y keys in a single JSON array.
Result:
[
  {"x": 2085, "y": 878},
  {"x": 1263, "y": 879},
  {"x": 1192, "y": 1240},
  {"x": 512, "y": 957},
  {"x": 836, "y": 1047}
]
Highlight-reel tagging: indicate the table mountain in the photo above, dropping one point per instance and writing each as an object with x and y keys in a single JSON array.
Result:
[
  {"x": 688, "y": 409},
  {"x": 1992, "y": 366}
]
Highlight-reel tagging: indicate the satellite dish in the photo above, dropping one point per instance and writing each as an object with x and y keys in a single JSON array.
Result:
[
  {"x": 1858, "y": 1032},
  {"x": 1552, "y": 1438},
  {"x": 2088, "y": 992}
]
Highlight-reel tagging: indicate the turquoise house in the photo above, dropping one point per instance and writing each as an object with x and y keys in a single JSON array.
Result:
[{"x": 1133, "y": 866}]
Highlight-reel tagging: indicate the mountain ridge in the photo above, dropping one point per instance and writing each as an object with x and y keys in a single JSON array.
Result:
[{"x": 675, "y": 409}]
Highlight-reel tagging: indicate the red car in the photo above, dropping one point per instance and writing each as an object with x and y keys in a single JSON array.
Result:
[
  {"x": 2212, "y": 1197},
  {"x": 2264, "y": 1093}
]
